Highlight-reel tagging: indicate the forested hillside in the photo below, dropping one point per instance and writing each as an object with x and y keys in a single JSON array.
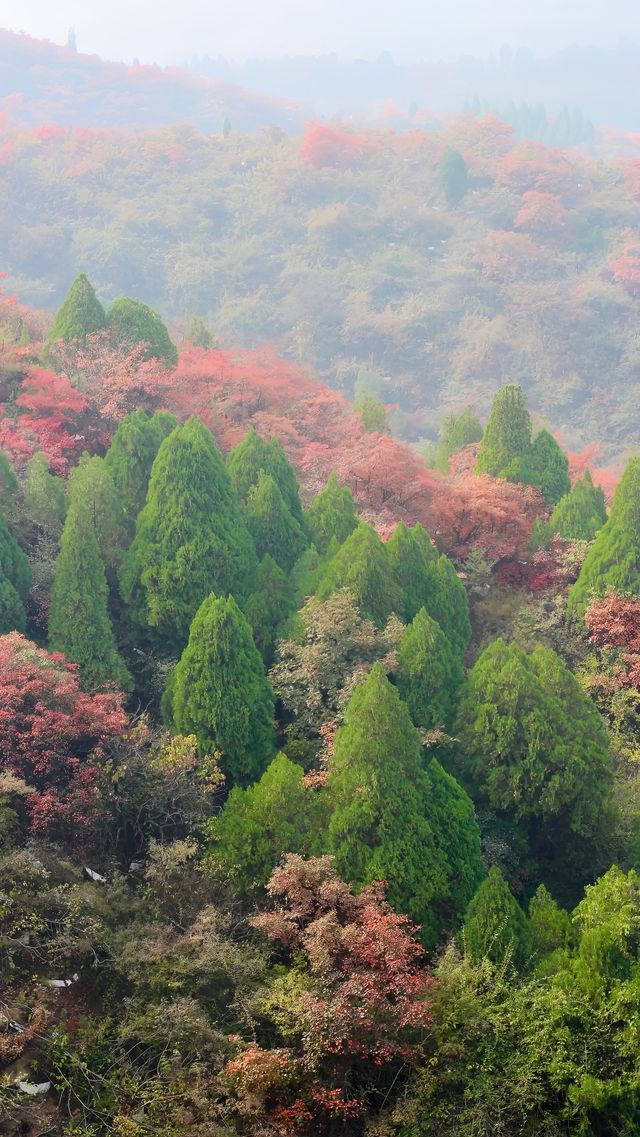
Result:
[
  {"x": 319, "y": 793},
  {"x": 438, "y": 263}
]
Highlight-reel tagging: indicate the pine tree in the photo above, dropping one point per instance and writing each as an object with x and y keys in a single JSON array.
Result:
[
  {"x": 457, "y": 431},
  {"x": 495, "y": 927},
  {"x": 91, "y": 488},
  {"x": 362, "y": 565},
  {"x": 429, "y": 673},
  {"x": 549, "y": 468},
  {"x": 614, "y": 558},
  {"x": 580, "y": 514},
  {"x": 45, "y": 501},
  {"x": 269, "y": 606},
  {"x": 284, "y": 475},
  {"x": 273, "y": 527},
  {"x": 79, "y": 623},
  {"x": 8, "y": 486},
  {"x": 260, "y": 824},
  {"x": 191, "y": 538},
  {"x": 454, "y": 176},
  {"x": 506, "y": 445},
  {"x": 383, "y": 821},
  {"x": 220, "y": 693},
  {"x": 448, "y": 604},
  {"x": 457, "y": 836},
  {"x": 410, "y": 556},
  {"x": 80, "y": 315},
  {"x": 133, "y": 322},
  {"x": 331, "y": 514},
  {"x": 131, "y": 455},
  {"x": 252, "y": 457},
  {"x": 15, "y": 581}
]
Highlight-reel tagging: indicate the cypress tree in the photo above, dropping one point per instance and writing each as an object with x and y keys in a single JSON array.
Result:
[
  {"x": 383, "y": 821},
  {"x": 15, "y": 581},
  {"x": 191, "y": 538},
  {"x": 79, "y": 623},
  {"x": 331, "y": 514},
  {"x": 91, "y": 488},
  {"x": 495, "y": 927},
  {"x": 458, "y": 838},
  {"x": 454, "y": 176},
  {"x": 220, "y": 693},
  {"x": 457, "y": 431},
  {"x": 429, "y": 673},
  {"x": 506, "y": 446},
  {"x": 80, "y": 315},
  {"x": 410, "y": 555},
  {"x": 267, "y": 609},
  {"x": 133, "y": 322},
  {"x": 362, "y": 565},
  {"x": 284, "y": 475},
  {"x": 448, "y": 604},
  {"x": 372, "y": 413},
  {"x": 8, "y": 486},
  {"x": 549, "y": 468},
  {"x": 550, "y": 925},
  {"x": 580, "y": 514},
  {"x": 252, "y": 457},
  {"x": 131, "y": 455},
  {"x": 258, "y": 825},
  {"x": 273, "y": 527},
  {"x": 613, "y": 560},
  {"x": 44, "y": 497}
]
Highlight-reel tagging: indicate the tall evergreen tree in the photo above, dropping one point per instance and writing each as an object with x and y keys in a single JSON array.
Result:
[
  {"x": 15, "y": 581},
  {"x": 454, "y": 176},
  {"x": 79, "y": 623},
  {"x": 331, "y": 514},
  {"x": 362, "y": 565},
  {"x": 191, "y": 538},
  {"x": 429, "y": 673},
  {"x": 252, "y": 457},
  {"x": 448, "y": 603},
  {"x": 272, "y": 525},
  {"x": 131, "y": 455},
  {"x": 133, "y": 322},
  {"x": 80, "y": 315},
  {"x": 580, "y": 514},
  {"x": 495, "y": 925},
  {"x": 457, "y": 431},
  {"x": 406, "y": 552},
  {"x": 613, "y": 561},
  {"x": 549, "y": 468},
  {"x": 506, "y": 446},
  {"x": 269, "y": 606},
  {"x": 284, "y": 475},
  {"x": 383, "y": 821},
  {"x": 91, "y": 488},
  {"x": 45, "y": 501},
  {"x": 220, "y": 693},
  {"x": 8, "y": 486}
]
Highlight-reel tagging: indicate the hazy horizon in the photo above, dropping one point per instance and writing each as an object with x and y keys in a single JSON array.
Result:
[{"x": 248, "y": 29}]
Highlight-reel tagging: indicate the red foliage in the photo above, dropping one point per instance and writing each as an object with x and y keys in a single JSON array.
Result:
[
  {"x": 485, "y": 513},
  {"x": 541, "y": 213},
  {"x": 51, "y": 735},
  {"x": 613, "y": 623},
  {"x": 531, "y": 166},
  {"x": 625, "y": 269},
  {"x": 335, "y": 146},
  {"x": 53, "y": 408},
  {"x": 115, "y": 381}
]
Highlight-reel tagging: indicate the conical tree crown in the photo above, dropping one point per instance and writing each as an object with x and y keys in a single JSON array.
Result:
[
  {"x": 457, "y": 431},
  {"x": 80, "y": 315},
  {"x": 220, "y": 693},
  {"x": 614, "y": 558},
  {"x": 79, "y": 623},
  {"x": 272, "y": 525},
  {"x": 252, "y": 457},
  {"x": 580, "y": 514},
  {"x": 362, "y": 565},
  {"x": 272, "y": 602},
  {"x": 131, "y": 455},
  {"x": 133, "y": 322},
  {"x": 45, "y": 501},
  {"x": 8, "y": 486},
  {"x": 448, "y": 604},
  {"x": 429, "y": 673},
  {"x": 506, "y": 445},
  {"x": 549, "y": 468},
  {"x": 15, "y": 580},
  {"x": 406, "y": 552},
  {"x": 191, "y": 538},
  {"x": 284, "y": 475},
  {"x": 91, "y": 489},
  {"x": 495, "y": 926},
  {"x": 331, "y": 514}
]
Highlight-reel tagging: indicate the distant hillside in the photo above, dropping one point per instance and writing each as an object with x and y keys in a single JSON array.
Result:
[{"x": 41, "y": 82}]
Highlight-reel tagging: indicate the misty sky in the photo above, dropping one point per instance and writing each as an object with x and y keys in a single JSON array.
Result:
[{"x": 172, "y": 32}]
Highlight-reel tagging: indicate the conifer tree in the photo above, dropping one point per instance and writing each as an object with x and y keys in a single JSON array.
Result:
[
  {"x": 45, "y": 501},
  {"x": 80, "y": 315},
  {"x": 372, "y": 413},
  {"x": 252, "y": 457},
  {"x": 273, "y": 527},
  {"x": 457, "y": 431},
  {"x": 79, "y": 623},
  {"x": 91, "y": 488},
  {"x": 410, "y": 555},
  {"x": 383, "y": 821},
  {"x": 284, "y": 475},
  {"x": 457, "y": 836},
  {"x": 495, "y": 927},
  {"x": 260, "y": 824},
  {"x": 429, "y": 673},
  {"x": 131, "y": 455},
  {"x": 550, "y": 925},
  {"x": 580, "y": 514},
  {"x": 15, "y": 581},
  {"x": 191, "y": 538},
  {"x": 362, "y": 565},
  {"x": 549, "y": 468},
  {"x": 331, "y": 514},
  {"x": 506, "y": 445},
  {"x": 220, "y": 693},
  {"x": 448, "y": 604},
  {"x": 8, "y": 486},
  {"x": 269, "y": 606},
  {"x": 454, "y": 176},
  {"x": 133, "y": 322},
  {"x": 613, "y": 561}
]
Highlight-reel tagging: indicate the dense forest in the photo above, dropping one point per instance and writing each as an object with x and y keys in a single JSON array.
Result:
[{"x": 319, "y": 793}]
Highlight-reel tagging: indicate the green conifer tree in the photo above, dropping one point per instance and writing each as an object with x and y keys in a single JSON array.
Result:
[
  {"x": 133, "y": 322},
  {"x": 45, "y": 501},
  {"x": 131, "y": 455},
  {"x": 331, "y": 514},
  {"x": 191, "y": 538},
  {"x": 454, "y": 176},
  {"x": 252, "y": 457},
  {"x": 273, "y": 527},
  {"x": 549, "y": 468},
  {"x": 410, "y": 557},
  {"x": 8, "y": 486},
  {"x": 80, "y": 315},
  {"x": 79, "y": 623},
  {"x": 457, "y": 431},
  {"x": 448, "y": 603},
  {"x": 383, "y": 820},
  {"x": 91, "y": 488},
  {"x": 457, "y": 836},
  {"x": 429, "y": 673},
  {"x": 506, "y": 445},
  {"x": 613, "y": 561},
  {"x": 550, "y": 925},
  {"x": 362, "y": 565},
  {"x": 372, "y": 413},
  {"x": 15, "y": 581},
  {"x": 284, "y": 475},
  {"x": 580, "y": 514},
  {"x": 268, "y": 608},
  {"x": 220, "y": 693},
  {"x": 495, "y": 927},
  {"x": 260, "y": 824}
]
